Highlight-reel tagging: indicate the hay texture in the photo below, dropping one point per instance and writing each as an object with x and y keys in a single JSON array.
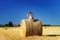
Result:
[{"x": 31, "y": 27}]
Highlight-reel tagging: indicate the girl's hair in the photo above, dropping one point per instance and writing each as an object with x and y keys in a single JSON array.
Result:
[{"x": 30, "y": 13}]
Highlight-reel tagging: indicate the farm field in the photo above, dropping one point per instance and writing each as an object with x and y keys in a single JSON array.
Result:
[
  {"x": 51, "y": 30},
  {"x": 13, "y": 33}
]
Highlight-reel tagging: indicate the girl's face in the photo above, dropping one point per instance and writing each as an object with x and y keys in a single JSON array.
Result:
[{"x": 29, "y": 14}]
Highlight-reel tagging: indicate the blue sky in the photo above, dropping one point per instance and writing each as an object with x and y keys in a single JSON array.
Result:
[{"x": 48, "y": 11}]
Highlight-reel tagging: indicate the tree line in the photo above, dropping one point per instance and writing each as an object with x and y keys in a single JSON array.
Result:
[{"x": 9, "y": 24}]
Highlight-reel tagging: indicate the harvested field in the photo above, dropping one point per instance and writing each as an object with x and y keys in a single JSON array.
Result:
[{"x": 13, "y": 33}]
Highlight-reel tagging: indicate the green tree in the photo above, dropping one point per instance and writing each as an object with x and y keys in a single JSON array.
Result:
[
  {"x": 6, "y": 25},
  {"x": 46, "y": 25},
  {"x": 10, "y": 23}
]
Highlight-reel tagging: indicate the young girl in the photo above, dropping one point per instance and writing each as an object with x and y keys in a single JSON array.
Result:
[{"x": 30, "y": 15}]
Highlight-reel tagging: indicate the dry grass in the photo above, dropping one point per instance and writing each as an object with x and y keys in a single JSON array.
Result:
[
  {"x": 51, "y": 30},
  {"x": 14, "y": 34}
]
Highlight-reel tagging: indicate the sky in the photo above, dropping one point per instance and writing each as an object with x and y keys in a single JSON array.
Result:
[{"x": 48, "y": 11}]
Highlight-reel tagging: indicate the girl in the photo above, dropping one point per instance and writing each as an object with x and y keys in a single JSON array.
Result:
[{"x": 30, "y": 15}]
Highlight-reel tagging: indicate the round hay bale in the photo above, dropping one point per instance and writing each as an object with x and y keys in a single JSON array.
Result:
[
  {"x": 32, "y": 28},
  {"x": 37, "y": 27},
  {"x": 26, "y": 26},
  {"x": 23, "y": 27}
]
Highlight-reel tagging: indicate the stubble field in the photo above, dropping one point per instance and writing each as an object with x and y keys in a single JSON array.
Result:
[{"x": 13, "y": 33}]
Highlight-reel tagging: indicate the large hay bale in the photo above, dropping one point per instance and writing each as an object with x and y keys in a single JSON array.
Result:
[
  {"x": 37, "y": 27},
  {"x": 32, "y": 27}
]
